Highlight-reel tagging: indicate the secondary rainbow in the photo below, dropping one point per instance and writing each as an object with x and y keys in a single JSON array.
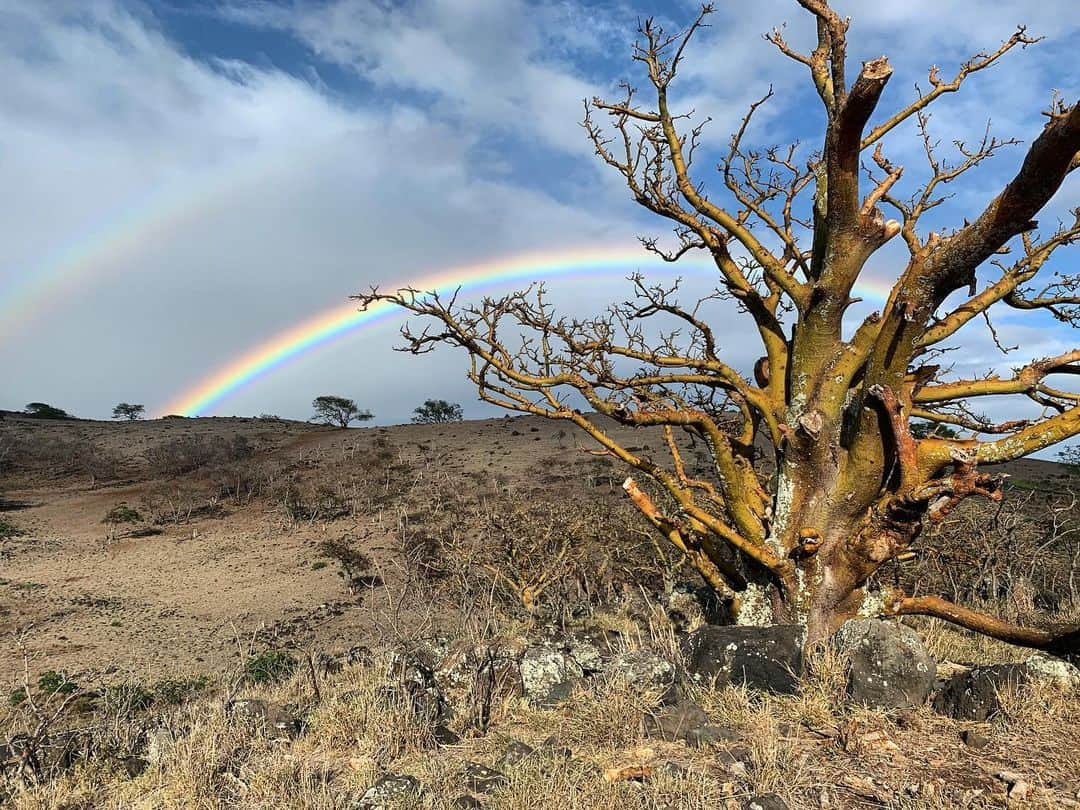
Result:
[{"x": 345, "y": 319}]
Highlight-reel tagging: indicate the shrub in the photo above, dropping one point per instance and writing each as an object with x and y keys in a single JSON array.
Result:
[{"x": 272, "y": 666}]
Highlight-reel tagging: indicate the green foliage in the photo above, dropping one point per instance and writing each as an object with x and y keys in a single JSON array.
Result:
[
  {"x": 130, "y": 696},
  {"x": 56, "y": 683},
  {"x": 42, "y": 410},
  {"x": 121, "y": 513},
  {"x": 175, "y": 691},
  {"x": 923, "y": 430},
  {"x": 125, "y": 410},
  {"x": 271, "y": 666},
  {"x": 437, "y": 411},
  {"x": 340, "y": 411}
]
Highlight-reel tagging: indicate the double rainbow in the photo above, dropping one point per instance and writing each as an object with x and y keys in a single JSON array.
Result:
[{"x": 337, "y": 322}]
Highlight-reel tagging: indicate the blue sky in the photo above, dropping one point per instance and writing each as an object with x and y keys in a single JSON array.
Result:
[{"x": 184, "y": 179}]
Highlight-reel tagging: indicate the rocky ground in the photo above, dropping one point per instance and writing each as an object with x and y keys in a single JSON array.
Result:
[{"x": 461, "y": 616}]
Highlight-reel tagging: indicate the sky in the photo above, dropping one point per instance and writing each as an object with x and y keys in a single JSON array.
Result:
[{"x": 184, "y": 180}]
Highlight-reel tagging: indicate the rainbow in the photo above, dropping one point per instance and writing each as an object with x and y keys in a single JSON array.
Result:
[{"x": 337, "y": 322}]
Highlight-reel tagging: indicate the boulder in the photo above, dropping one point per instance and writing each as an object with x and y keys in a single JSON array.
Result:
[
  {"x": 690, "y": 607},
  {"x": 482, "y": 779},
  {"x": 642, "y": 669},
  {"x": 549, "y": 674},
  {"x": 888, "y": 666},
  {"x": 390, "y": 791},
  {"x": 973, "y": 695},
  {"x": 516, "y": 752},
  {"x": 1045, "y": 667},
  {"x": 763, "y": 658},
  {"x": 687, "y": 721}
]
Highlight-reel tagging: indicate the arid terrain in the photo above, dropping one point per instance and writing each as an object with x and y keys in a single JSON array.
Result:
[{"x": 208, "y": 565}]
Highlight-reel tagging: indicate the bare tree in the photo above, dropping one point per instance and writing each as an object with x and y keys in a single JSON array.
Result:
[{"x": 844, "y": 486}]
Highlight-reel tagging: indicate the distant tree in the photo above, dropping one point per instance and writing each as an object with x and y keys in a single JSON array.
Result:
[
  {"x": 1070, "y": 457},
  {"x": 437, "y": 411},
  {"x": 331, "y": 410},
  {"x": 127, "y": 411},
  {"x": 924, "y": 430},
  {"x": 42, "y": 410}
]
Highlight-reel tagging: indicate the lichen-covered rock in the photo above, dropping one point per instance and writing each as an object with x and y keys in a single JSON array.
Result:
[
  {"x": 974, "y": 694},
  {"x": 642, "y": 669},
  {"x": 516, "y": 752},
  {"x": 888, "y": 666},
  {"x": 1045, "y": 667},
  {"x": 764, "y": 658},
  {"x": 690, "y": 607},
  {"x": 388, "y": 792},
  {"x": 273, "y": 718},
  {"x": 482, "y": 779},
  {"x": 548, "y": 674}
]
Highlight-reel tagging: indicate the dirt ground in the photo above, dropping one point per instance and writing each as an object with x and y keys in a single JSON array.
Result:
[{"x": 79, "y": 600}]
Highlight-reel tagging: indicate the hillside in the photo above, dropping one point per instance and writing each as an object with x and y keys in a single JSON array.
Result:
[{"x": 264, "y": 613}]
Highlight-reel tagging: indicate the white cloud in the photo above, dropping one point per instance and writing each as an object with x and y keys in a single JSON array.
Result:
[{"x": 266, "y": 197}]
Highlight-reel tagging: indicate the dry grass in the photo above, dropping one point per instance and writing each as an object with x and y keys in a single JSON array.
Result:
[{"x": 802, "y": 747}]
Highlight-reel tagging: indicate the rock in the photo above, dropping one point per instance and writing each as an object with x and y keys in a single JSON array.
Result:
[
  {"x": 766, "y": 801},
  {"x": 737, "y": 753},
  {"x": 443, "y": 735},
  {"x": 459, "y": 665},
  {"x": 1045, "y": 667},
  {"x": 555, "y": 750},
  {"x": 333, "y": 664},
  {"x": 1016, "y": 788},
  {"x": 889, "y": 668},
  {"x": 973, "y": 695},
  {"x": 586, "y": 653},
  {"x": 690, "y": 607},
  {"x": 642, "y": 669},
  {"x": 686, "y": 721},
  {"x": 764, "y": 658},
  {"x": 975, "y": 738},
  {"x": 390, "y": 790},
  {"x": 159, "y": 744},
  {"x": 548, "y": 674},
  {"x": 272, "y": 717},
  {"x": 422, "y": 693},
  {"x": 135, "y": 766},
  {"x": 483, "y": 779},
  {"x": 515, "y": 752}
]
